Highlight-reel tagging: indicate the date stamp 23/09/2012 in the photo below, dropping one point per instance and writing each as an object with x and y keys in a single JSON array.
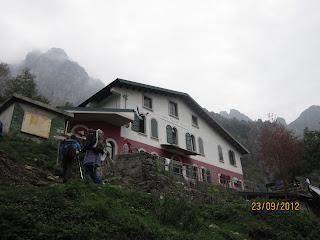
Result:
[{"x": 275, "y": 206}]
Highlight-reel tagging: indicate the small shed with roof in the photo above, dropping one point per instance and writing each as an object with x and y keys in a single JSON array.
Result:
[{"x": 27, "y": 117}]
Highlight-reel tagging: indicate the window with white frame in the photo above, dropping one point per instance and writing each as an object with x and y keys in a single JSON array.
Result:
[
  {"x": 139, "y": 123},
  {"x": 201, "y": 148},
  {"x": 172, "y": 134},
  {"x": 147, "y": 102},
  {"x": 232, "y": 158},
  {"x": 190, "y": 142},
  {"x": 154, "y": 128},
  {"x": 194, "y": 121},
  {"x": 173, "y": 109},
  {"x": 220, "y": 153}
]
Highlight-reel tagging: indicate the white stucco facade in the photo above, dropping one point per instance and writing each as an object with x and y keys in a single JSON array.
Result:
[{"x": 131, "y": 99}]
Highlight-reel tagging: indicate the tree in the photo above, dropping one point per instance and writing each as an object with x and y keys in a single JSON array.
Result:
[
  {"x": 281, "y": 151},
  {"x": 4, "y": 77},
  {"x": 25, "y": 85},
  {"x": 311, "y": 157}
]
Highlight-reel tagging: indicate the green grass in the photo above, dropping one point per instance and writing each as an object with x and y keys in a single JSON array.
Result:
[
  {"x": 80, "y": 210},
  {"x": 85, "y": 211},
  {"x": 25, "y": 151}
]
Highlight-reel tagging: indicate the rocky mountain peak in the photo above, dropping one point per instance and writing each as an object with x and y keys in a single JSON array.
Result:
[
  {"x": 58, "y": 78},
  {"x": 234, "y": 113},
  {"x": 56, "y": 54}
]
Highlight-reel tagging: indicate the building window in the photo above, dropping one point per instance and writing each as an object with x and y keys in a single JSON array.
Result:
[
  {"x": 224, "y": 179},
  {"x": 110, "y": 149},
  {"x": 201, "y": 149},
  {"x": 194, "y": 121},
  {"x": 232, "y": 158},
  {"x": 147, "y": 102},
  {"x": 141, "y": 150},
  {"x": 154, "y": 128},
  {"x": 208, "y": 173},
  {"x": 172, "y": 134},
  {"x": 173, "y": 109},
  {"x": 176, "y": 165},
  {"x": 192, "y": 172},
  {"x": 190, "y": 142},
  {"x": 220, "y": 154},
  {"x": 138, "y": 124}
]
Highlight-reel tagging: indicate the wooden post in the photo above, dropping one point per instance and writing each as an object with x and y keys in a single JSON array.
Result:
[{"x": 58, "y": 153}]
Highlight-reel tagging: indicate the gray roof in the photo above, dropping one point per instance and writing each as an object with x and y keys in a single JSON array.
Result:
[
  {"x": 18, "y": 98},
  {"x": 105, "y": 92}
]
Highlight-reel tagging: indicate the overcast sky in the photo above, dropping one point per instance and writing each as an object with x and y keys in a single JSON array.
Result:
[{"x": 254, "y": 56}]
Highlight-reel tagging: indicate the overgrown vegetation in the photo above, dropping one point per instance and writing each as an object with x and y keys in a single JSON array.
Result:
[
  {"x": 249, "y": 134},
  {"x": 81, "y": 210},
  {"x": 85, "y": 211},
  {"x": 25, "y": 151},
  {"x": 23, "y": 84}
]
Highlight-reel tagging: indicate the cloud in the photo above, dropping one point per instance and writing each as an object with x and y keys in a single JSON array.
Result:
[{"x": 255, "y": 56}]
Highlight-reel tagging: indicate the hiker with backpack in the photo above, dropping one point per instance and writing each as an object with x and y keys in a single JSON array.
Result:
[
  {"x": 70, "y": 149},
  {"x": 94, "y": 148}
]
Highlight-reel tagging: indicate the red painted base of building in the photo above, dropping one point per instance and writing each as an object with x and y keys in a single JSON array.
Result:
[{"x": 114, "y": 133}]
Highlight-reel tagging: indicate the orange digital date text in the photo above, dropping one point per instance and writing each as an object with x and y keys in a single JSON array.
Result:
[{"x": 275, "y": 206}]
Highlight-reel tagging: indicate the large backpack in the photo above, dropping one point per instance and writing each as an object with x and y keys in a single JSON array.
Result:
[
  {"x": 68, "y": 149},
  {"x": 91, "y": 139}
]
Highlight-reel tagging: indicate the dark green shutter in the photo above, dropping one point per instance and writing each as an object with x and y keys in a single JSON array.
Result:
[
  {"x": 169, "y": 134},
  {"x": 136, "y": 123},
  {"x": 141, "y": 124},
  {"x": 188, "y": 141}
]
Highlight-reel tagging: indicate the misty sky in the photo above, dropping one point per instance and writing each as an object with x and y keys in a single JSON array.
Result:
[{"x": 254, "y": 56}]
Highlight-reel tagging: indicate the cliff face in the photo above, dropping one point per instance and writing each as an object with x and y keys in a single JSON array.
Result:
[
  {"x": 235, "y": 114},
  {"x": 58, "y": 78},
  {"x": 309, "y": 118}
]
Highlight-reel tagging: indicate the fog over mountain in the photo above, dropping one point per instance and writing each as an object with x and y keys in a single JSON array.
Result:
[
  {"x": 58, "y": 78},
  {"x": 62, "y": 80},
  {"x": 235, "y": 114},
  {"x": 281, "y": 121},
  {"x": 309, "y": 118}
]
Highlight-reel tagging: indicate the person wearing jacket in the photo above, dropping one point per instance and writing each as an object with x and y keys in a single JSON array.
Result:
[
  {"x": 92, "y": 159},
  {"x": 69, "y": 156}
]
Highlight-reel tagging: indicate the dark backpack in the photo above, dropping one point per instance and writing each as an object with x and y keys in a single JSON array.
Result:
[
  {"x": 68, "y": 149},
  {"x": 90, "y": 141}
]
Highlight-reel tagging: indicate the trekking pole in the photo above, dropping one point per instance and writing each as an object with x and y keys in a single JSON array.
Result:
[{"x": 81, "y": 175}]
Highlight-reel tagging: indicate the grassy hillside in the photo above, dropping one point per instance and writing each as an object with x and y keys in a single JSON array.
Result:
[
  {"x": 85, "y": 211},
  {"x": 81, "y": 210}
]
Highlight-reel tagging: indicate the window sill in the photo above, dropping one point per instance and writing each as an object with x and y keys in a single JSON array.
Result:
[
  {"x": 155, "y": 138},
  {"x": 143, "y": 134},
  {"x": 176, "y": 117},
  {"x": 196, "y": 126},
  {"x": 149, "y": 109},
  {"x": 221, "y": 161}
]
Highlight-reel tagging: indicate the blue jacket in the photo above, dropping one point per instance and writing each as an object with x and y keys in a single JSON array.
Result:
[{"x": 75, "y": 143}]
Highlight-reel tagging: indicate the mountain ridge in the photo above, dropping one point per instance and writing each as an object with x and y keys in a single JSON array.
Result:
[
  {"x": 58, "y": 78},
  {"x": 309, "y": 118}
]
